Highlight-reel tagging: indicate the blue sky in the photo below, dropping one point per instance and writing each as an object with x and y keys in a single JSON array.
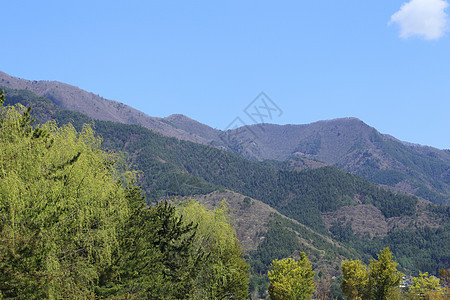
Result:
[{"x": 385, "y": 62}]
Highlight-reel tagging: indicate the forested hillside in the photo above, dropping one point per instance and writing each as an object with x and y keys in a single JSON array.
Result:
[{"x": 417, "y": 231}]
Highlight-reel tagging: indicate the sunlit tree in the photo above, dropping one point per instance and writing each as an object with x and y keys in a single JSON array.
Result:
[
  {"x": 291, "y": 279},
  {"x": 356, "y": 279},
  {"x": 223, "y": 273}
]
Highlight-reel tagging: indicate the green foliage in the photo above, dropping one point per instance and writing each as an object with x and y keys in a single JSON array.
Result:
[
  {"x": 422, "y": 165},
  {"x": 73, "y": 226},
  {"x": 58, "y": 227},
  {"x": 270, "y": 248},
  {"x": 224, "y": 273},
  {"x": 156, "y": 257},
  {"x": 355, "y": 279},
  {"x": 424, "y": 248},
  {"x": 387, "y": 177},
  {"x": 282, "y": 231},
  {"x": 378, "y": 282},
  {"x": 342, "y": 232},
  {"x": 416, "y": 248},
  {"x": 383, "y": 275},
  {"x": 291, "y": 279},
  {"x": 43, "y": 108},
  {"x": 425, "y": 284},
  {"x": 2, "y": 97}
]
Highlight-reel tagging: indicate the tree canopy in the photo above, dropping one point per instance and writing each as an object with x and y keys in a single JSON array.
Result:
[
  {"x": 291, "y": 279},
  {"x": 224, "y": 273},
  {"x": 374, "y": 282},
  {"x": 61, "y": 201}
]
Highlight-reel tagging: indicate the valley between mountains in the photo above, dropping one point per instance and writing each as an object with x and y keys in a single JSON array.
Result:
[{"x": 335, "y": 189}]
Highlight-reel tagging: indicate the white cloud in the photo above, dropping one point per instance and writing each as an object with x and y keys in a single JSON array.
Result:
[{"x": 425, "y": 18}]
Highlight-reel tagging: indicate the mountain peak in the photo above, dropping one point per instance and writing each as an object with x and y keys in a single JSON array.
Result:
[{"x": 178, "y": 117}]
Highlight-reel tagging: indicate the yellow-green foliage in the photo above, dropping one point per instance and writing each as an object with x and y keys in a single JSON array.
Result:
[
  {"x": 60, "y": 203},
  {"x": 383, "y": 275},
  {"x": 356, "y": 279},
  {"x": 425, "y": 284},
  {"x": 376, "y": 282},
  {"x": 224, "y": 272},
  {"x": 291, "y": 279}
]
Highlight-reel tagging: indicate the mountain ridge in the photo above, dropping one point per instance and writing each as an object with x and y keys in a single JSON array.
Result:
[
  {"x": 73, "y": 98},
  {"x": 347, "y": 143}
]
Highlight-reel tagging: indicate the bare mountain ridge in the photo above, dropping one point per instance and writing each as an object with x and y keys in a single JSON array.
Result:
[
  {"x": 73, "y": 98},
  {"x": 347, "y": 143}
]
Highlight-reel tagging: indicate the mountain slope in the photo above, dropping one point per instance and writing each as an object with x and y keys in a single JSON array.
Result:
[
  {"x": 347, "y": 143},
  {"x": 73, "y": 98},
  {"x": 352, "y": 145}
]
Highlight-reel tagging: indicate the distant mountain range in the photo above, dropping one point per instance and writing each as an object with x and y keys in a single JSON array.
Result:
[{"x": 347, "y": 143}]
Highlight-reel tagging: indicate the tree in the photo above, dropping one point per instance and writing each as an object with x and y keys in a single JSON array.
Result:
[
  {"x": 223, "y": 273},
  {"x": 155, "y": 258},
  {"x": 61, "y": 201},
  {"x": 74, "y": 225},
  {"x": 291, "y": 279},
  {"x": 377, "y": 282},
  {"x": 425, "y": 285},
  {"x": 2, "y": 98},
  {"x": 323, "y": 287},
  {"x": 356, "y": 279},
  {"x": 383, "y": 275},
  {"x": 444, "y": 276}
]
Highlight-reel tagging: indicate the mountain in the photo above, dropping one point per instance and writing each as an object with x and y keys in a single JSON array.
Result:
[
  {"x": 347, "y": 143},
  {"x": 73, "y": 98},
  {"x": 354, "y": 146},
  {"x": 325, "y": 211}
]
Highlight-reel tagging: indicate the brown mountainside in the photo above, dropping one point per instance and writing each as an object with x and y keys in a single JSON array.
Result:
[{"x": 73, "y": 98}]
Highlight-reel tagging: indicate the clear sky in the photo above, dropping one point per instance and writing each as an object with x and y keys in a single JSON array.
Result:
[{"x": 386, "y": 62}]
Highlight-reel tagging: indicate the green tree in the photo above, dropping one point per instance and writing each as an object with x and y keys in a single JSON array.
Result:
[
  {"x": 155, "y": 257},
  {"x": 61, "y": 201},
  {"x": 223, "y": 273},
  {"x": 2, "y": 98},
  {"x": 74, "y": 226},
  {"x": 424, "y": 285},
  {"x": 378, "y": 282},
  {"x": 291, "y": 279},
  {"x": 383, "y": 275},
  {"x": 356, "y": 279}
]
